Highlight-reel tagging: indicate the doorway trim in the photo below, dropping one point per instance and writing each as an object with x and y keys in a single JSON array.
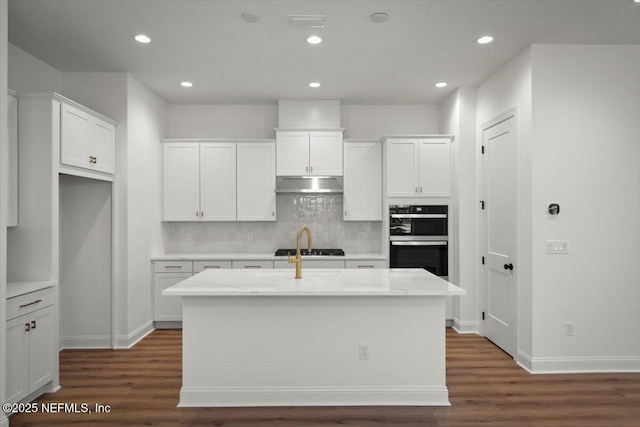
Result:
[{"x": 482, "y": 228}]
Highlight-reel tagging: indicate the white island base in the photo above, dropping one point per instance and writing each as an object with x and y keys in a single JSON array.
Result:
[{"x": 335, "y": 337}]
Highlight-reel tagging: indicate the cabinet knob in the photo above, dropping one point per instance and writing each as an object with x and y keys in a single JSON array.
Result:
[{"x": 508, "y": 266}]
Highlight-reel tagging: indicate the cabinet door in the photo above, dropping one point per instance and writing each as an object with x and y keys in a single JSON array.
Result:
[
  {"x": 17, "y": 385},
  {"x": 218, "y": 181},
  {"x": 167, "y": 308},
  {"x": 325, "y": 153},
  {"x": 435, "y": 167},
  {"x": 12, "y": 131},
  {"x": 402, "y": 168},
  {"x": 256, "y": 181},
  {"x": 293, "y": 153},
  {"x": 75, "y": 137},
  {"x": 362, "y": 181},
  {"x": 103, "y": 137},
  {"x": 42, "y": 347},
  {"x": 181, "y": 181}
]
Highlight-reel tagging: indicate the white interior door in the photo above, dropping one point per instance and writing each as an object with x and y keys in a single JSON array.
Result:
[{"x": 500, "y": 197}]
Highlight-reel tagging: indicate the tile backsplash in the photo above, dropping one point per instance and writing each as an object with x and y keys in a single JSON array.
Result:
[{"x": 321, "y": 213}]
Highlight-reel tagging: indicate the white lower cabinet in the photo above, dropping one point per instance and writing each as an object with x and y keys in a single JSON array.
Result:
[
  {"x": 257, "y": 263},
  {"x": 167, "y": 274},
  {"x": 31, "y": 344},
  {"x": 311, "y": 263},
  {"x": 366, "y": 263}
]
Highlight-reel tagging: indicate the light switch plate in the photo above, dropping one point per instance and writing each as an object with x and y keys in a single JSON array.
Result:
[{"x": 557, "y": 247}]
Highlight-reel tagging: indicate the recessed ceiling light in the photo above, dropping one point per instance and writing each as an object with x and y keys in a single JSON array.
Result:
[
  {"x": 141, "y": 38},
  {"x": 314, "y": 84},
  {"x": 485, "y": 40},
  {"x": 186, "y": 84},
  {"x": 441, "y": 84},
  {"x": 379, "y": 17},
  {"x": 248, "y": 17},
  {"x": 314, "y": 40}
]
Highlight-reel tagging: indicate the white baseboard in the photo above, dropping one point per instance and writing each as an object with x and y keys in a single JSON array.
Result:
[
  {"x": 577, "y": 365},
  {"x": 302, "y": 396},
  {"x": 465, "y": 326},
  {"x": 85, "y": 342},
  {"x": 128, "y": 341}
]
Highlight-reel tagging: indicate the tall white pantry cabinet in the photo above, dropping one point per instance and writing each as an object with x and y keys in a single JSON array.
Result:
[
  {"x": 35, "y": 265},
  {"x": 218, "y": 180}
]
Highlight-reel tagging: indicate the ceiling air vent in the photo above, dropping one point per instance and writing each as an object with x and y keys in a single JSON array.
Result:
[{"x": 306, "y": 21}]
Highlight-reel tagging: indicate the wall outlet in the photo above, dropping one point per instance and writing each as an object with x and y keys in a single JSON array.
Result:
[
  {"x": 250, "y": 236},
  {"x": 568, "y": 329},
  {"x": 557, "y": 246},
  {"x": 187, "y": 236},
  {"x": 363, "y": 351},
  {"x": 363, "y": 235}
]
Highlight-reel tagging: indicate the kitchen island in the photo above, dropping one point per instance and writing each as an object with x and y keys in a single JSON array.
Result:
[{"x": 333, "y": 337}]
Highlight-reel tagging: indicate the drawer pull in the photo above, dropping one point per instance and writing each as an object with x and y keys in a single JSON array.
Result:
[
  {"x": 33, "y": 324},
  {"x": 177, "y": 267},
  {"x": 207, "y": 267},
  {"x": 31, "y": 303},
  {"x": 252, "y": 266},
  {"x": 27, "y": 327},
  {"x": 365, "y": 266}
]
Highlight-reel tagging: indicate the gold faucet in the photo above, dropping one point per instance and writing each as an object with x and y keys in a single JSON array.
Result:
[{"x": 298, "y": 259}]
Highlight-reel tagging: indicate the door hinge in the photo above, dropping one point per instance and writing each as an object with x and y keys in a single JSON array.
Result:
[
  {"x": 482, "y": 204},
  {"x": 482, "y": 260},
  {"x": 483, "y": 315},
  {"x": 483, "y": 149}
]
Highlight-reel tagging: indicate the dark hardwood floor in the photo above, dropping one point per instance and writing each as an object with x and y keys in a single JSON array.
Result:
[{"x": 486, "y": 387}]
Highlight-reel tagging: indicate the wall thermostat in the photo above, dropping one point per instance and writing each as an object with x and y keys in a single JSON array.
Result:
[{"x": 554, "y": 209}]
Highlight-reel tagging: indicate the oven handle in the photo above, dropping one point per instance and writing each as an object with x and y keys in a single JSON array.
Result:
[
  {"x": 426, "y": 216},
  {"x": 428, "y": 243}
]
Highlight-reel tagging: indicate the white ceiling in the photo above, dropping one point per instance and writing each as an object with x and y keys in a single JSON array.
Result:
[{"x": 359, "y": 62}]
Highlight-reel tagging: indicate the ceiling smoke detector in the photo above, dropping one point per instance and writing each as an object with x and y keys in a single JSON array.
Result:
[
  {"x": 379, "y": 17},
  {"x": 306, "y": 21},
  {"x": 248, "y": 17}
]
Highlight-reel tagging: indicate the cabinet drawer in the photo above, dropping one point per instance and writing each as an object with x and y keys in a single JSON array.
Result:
[
  {"x": 173, "y": 266},
  {"x": 27, "y": 303},
  {"x": 252, "y": 264},
  {"x": 311, "y": 263},
  {"x": 366, "y": 263},
  {"x": 199, "y": 266}
]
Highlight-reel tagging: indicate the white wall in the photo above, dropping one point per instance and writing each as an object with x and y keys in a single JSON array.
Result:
[
  {"x": 222, "y": 121},
  {"x": 4, "y": 179},
  {"x": 374, "y": 121},
  {"x": 458, "y": 117},
  {"x": 510, "y": 87},
  {"x": 586, "y": 157},
  {"x": 147, "y": 118},
  {"x": 29, "y": 74}
]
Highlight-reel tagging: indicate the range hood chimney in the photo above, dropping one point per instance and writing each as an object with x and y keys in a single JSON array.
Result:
[{"x": 309, "y": 184}]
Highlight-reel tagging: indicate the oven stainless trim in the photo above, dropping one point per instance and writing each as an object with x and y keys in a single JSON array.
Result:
[
  {"x": 419, "y": 238},
  {"x": 423, "y": 243},
  {"x": 420, "y": 216}
]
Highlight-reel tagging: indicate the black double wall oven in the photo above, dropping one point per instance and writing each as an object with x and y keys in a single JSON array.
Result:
[{"x": 418, "y": 238}]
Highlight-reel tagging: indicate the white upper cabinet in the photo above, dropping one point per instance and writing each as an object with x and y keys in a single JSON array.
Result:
[
  {"x": 218, "y": 181},
  {"x": 362, "y": 180},
  {"x": 418, "y": 166},
  {"x": 256, "y": 182},
  {"x": 181, "y": 181},
  {"x": 302, "y": 153},
  {"x": 86, "y": 140},
  {"x": 12, "y": 137}
]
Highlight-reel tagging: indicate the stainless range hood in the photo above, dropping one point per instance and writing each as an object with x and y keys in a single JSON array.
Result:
[{"x": 309, "y": 184}]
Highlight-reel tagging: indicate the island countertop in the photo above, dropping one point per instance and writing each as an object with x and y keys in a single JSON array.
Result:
[{"x": 315, "y": 282}]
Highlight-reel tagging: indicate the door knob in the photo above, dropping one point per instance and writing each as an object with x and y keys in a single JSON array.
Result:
[{"x": 508, "y": 266}]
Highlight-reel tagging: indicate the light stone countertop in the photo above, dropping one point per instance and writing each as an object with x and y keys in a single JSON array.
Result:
[
  {"x": 256, "y": 256},
  {"x": 315, "y": 282}
]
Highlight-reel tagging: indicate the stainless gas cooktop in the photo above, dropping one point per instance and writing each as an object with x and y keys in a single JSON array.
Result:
[{"x": 313, "y": 252}]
